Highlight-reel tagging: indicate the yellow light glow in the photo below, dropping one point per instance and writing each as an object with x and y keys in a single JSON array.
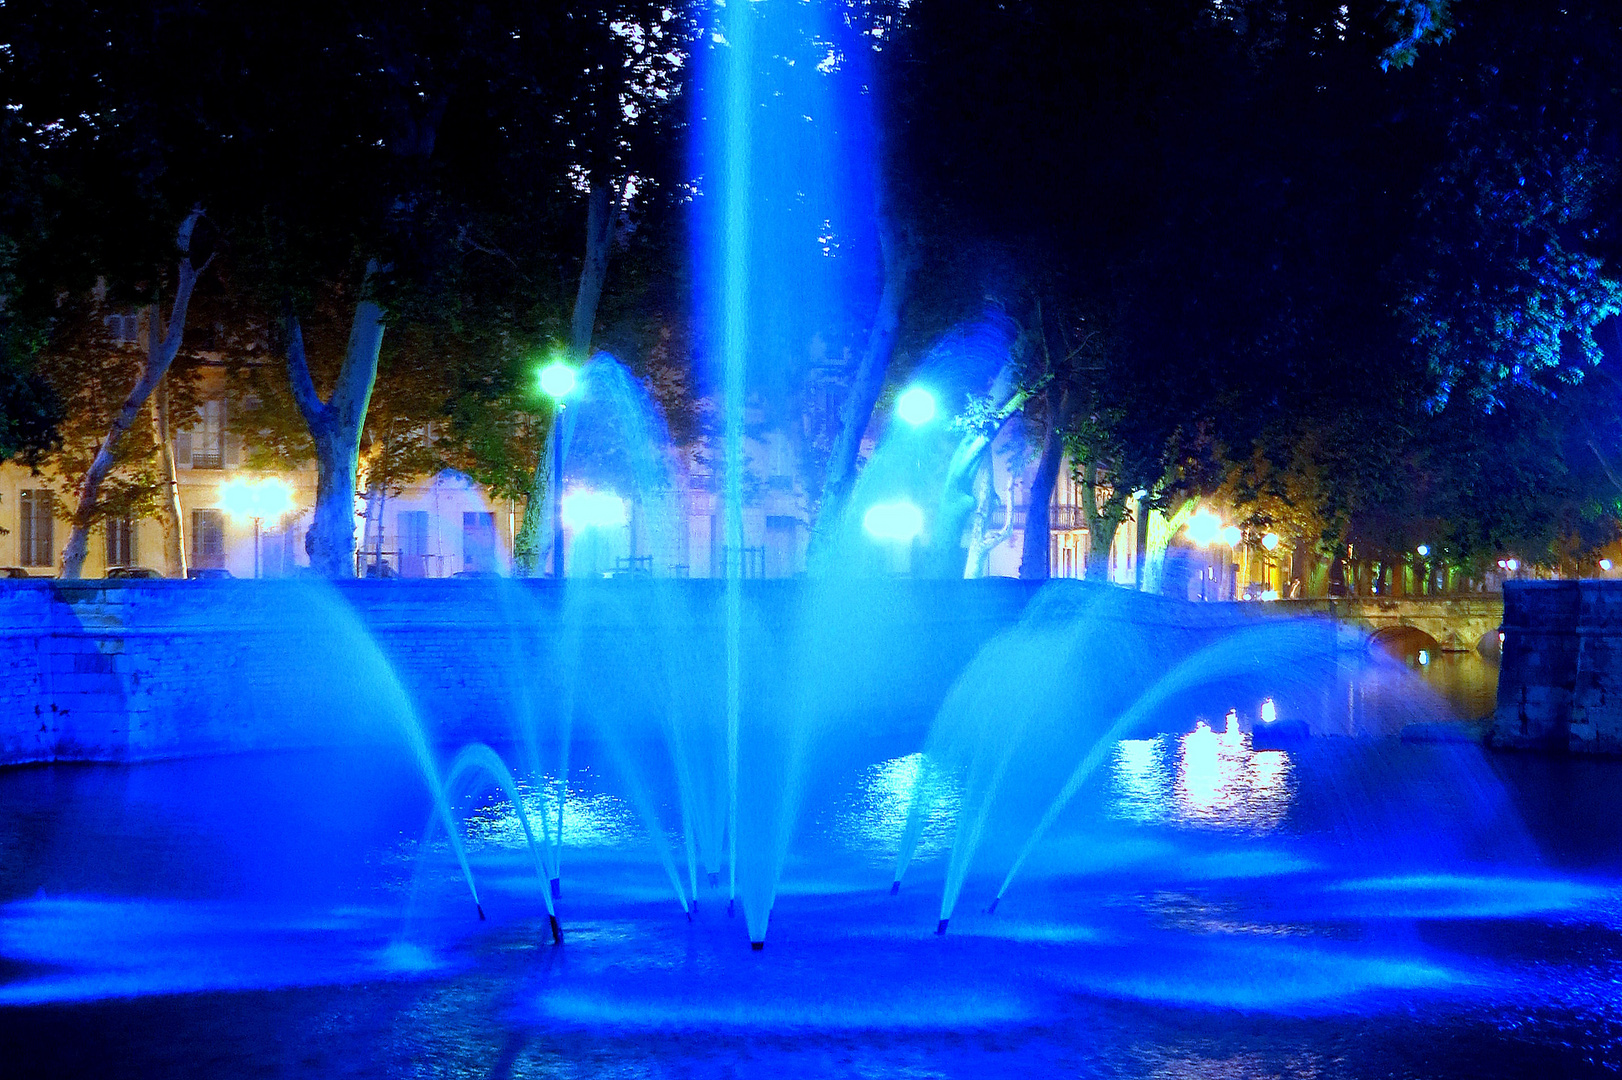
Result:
[
  {"x": 268, "y": 499},
  {"x": 1204, "y": 527}
]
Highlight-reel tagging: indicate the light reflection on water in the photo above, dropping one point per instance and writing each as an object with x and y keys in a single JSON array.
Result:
[
  {"x": 1206, "y": 778},
  {"x": 876, "y": 816},
  {"x": 591, "y": 818}
]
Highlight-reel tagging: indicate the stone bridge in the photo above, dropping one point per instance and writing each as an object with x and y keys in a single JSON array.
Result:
[{"x": 1453, "y": 623}]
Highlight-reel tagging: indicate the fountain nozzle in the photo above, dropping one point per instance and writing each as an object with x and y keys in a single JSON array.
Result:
[
  {"x": 895, "y": 886},
  {"x": 689, "y": 914},
  {"x": 557, "y": 889},
  {"x": 729, "y": 908},
  {"x": 481, "y": 910},
  {"x": 756, "y": 946},
  {"x": 940, "y": 928},
  {"x": 557, "y": 931},
  {"x": 992, "y": 910}
]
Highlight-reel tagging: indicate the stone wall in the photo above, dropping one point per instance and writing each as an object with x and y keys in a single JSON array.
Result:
[
  {"x": 1560, "y": 683},
  {"x": 128, "y": 670}
]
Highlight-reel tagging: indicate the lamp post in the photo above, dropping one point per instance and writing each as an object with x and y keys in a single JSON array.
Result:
[
  {"x": 558, "y": 381},
  {"x": 256, "y": 500}
]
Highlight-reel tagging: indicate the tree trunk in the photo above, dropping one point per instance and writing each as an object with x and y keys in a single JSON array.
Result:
[
  {"x": 594, "y": 270},
  {"x": 534, "y": 539},
  {"x": 1161, "y": 528},
  {"x": 335, "y": 426},
  {"x": 159, "y": 355},
  {"x": 174, "y": 533},
  {"x": 981, "y": 539},
  {"x": 1034, "y": 552},
  {"x": 957, "y": 498},
  {"x": 839, "y": 480},
  {"x": 1101, "y": 526}
]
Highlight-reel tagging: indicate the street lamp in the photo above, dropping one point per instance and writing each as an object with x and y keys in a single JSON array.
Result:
[
  {"x": 916, "y": 406},
  {"x": 558, "y": 381},
  {"x": 1270, "y": 541},
  {"x": 1204, "y": 527},
  {"x": 899, "y": 522},
  {"x": 256, "y": 500}
]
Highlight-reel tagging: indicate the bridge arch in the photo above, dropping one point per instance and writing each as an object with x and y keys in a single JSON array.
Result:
[{"x": 1402, "y": 639}]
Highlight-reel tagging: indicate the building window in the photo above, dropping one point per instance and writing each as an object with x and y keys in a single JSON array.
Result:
[
  {"x": 208, "y": 538},
  {"x": 36, "y": 529},
  {"x": 412, "y": 527},
  {"x": 121, "y": 542},
  {"x": 124, "y": 329},
  {"x": 478, "y": 541},
  {"x": 205, "y": 442}
]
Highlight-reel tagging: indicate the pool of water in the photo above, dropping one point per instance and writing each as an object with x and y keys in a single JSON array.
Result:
[{"x": 1337, "y": 907}]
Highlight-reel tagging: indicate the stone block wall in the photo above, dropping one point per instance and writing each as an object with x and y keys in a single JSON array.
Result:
[
  {"x": 1560, "y": 682},
  {"x": 128, "y": 670}
]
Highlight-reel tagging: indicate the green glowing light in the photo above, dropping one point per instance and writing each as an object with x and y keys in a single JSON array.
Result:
[{"x": 558, "y": 380}]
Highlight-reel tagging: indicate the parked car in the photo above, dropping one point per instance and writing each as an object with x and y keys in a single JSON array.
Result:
[
  {"x": 13, "y": 572},
  {"x": 144, "y": 573},
  {"x": 207, "y": 573}
]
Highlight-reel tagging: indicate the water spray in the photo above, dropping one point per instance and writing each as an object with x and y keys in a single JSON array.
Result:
[{"x": 556, "y": 886}]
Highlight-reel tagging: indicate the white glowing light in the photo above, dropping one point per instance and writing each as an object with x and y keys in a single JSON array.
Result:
[
  {"x": 1605, "y": 564},
  {"x": 1512, "y": 565},
  {"x": 916, "y": 406},
  {"x": 1270, "y": 594},
  {"x": 586, "y": 509},
  {"x": 1424, "y": 658},
  {"x": 1270, "y": 541},
  {"x": 558, "y": 380},
  {"x": 1204, "y": 527},
  {"x": 1231, "y": 535},
  {"x": 1424, "y": 550},
  {"x": 269, "y": 499},
  {"x": 899, "y": 521},
  {"x": 1269, "y": 711}
]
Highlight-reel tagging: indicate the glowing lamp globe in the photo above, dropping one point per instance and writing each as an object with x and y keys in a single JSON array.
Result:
[
  {"x": 898, "y": 521},
  {"x": 558, "y": 380},
  {"x": 916, "y": 406},
  {"x": 265, "y": 500},
  {"x": 1204, "y": 528},
  {"x": 1270, "y": 541},
  {"x": 1423, "y": 550},
  {"x": 584, "y": 509},
  {"x": 1605, "y": 564},
  {"x": 1231, "y": 536},
  {"x": 1269, "y": 711}
]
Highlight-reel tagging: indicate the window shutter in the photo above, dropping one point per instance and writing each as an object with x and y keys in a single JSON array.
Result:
[
  {"x": 232, "y": 445},
  {"x": 183, "y": 448}
]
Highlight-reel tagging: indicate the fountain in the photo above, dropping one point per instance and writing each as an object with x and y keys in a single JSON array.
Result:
[{"x": 1159, "y": 883}]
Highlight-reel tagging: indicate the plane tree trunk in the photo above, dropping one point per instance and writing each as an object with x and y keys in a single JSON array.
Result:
[
  {"x": 856, "y": 413},
  {"x": 1034, "y": 552},
  {"x": 335, "y": 427},
  {"x": 160, "y": 354}
]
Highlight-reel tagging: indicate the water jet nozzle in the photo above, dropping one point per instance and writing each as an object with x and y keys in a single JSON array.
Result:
[
  {"x": 729, "y": 909},
  {"x": 940, "y": 928},
  {"x": 992, "y": 910},
  {"x": 756, "y": 946},
  {"x": 481, "y": 910},
  {"x": 557, "y": 931},
  {"x": 895, "y": 886},
  {"x": 557, "y": 889},
  {"x": 689, "y": 914}
]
